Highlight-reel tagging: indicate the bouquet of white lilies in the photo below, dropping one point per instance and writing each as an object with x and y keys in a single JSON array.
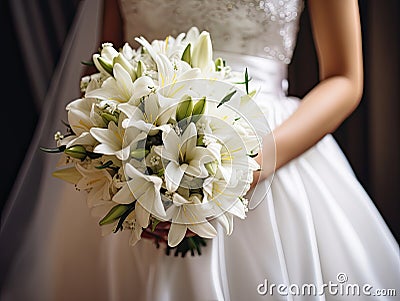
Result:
[{"x": 162, "y": 135}]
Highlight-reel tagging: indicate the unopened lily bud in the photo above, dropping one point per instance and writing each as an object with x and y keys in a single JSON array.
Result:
[
  {"x": 219, "y": 64},
  {"x": 120, "y": 59},
  {"x": 70, "y": 174},
  {"x": 95, "y": 58},
  {"x": 200, "y": 106},
  {"x": 141, "y": 68},
  {"x": 106, "y": 65},
  {"x": 108, "y": 51},
  {"x": 202, "y": 52},
  {"x": 186, "y": 55},
  {"x": 115, "y": 213},
  {"x": 199, "y": 109},
  {"x": 185, "y": 108},
  {"x": 76, "y": 151}
]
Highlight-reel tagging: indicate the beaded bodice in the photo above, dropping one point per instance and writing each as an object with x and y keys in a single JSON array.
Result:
[{"x": 266, "y": 28}]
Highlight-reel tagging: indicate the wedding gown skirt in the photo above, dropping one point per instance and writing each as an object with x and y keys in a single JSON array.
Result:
[
  {"x": 313, "y": 223},
  {"x": 310, "y": 224}
]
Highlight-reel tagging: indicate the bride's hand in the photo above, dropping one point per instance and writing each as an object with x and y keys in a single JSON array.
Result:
[
  {"x": 160, "y": 233},
  {"x": 266, "y": 158}
]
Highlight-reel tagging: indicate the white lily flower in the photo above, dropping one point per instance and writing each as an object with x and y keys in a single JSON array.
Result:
[
  {"x": 172, "y": 76},
  {"x": 151, "y": 120},
  {"x": 97, "y": 182},
  {"x": 83, "y": 114},
  {"x": 120, "y": 88},
  {"x": 111, "y": 141},
  {"x": 116, "y": 140},
  {"x": 233, "y": 157},
  {"x": 170, "y": 71},
  {"x": 188, "y": 214},
  {"x": 171, "y": 47},
  {"x": 250, "y": 138},
  {"x": 145, "y": 189},
  {"x": 184, "y": 156},
  {"x": 226, "y": 201},
  {"x": 135, "y": 228}
]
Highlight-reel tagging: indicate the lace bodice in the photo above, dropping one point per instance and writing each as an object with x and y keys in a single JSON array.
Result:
[{"x": 260, "y": 28}]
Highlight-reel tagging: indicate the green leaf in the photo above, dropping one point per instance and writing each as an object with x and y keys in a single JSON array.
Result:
[
  {"x": 246, "y": 80},
  {"x": 242, "y": 83},
  {"x": 59, "y": 149},
  {"x": 87, "y": 63},
  {"x": 117, "y": 212},
  {"x": 106, "y": 65},
  {"x": 123, "y": 217},
  {"x": 93, "y": 155},
  {"x": 185, "y": 108},
  {"x": 226, "y": 98},
  {"x": 186, "y": 55},
  {"x": 105, "y": 165},
  {"x": 65, "y": 123}
]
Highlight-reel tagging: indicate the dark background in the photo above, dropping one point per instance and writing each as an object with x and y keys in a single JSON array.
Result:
[{"x": 370, "y": 137}]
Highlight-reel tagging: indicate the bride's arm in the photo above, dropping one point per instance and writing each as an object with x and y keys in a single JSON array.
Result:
[{"x": 337, "y": 36}]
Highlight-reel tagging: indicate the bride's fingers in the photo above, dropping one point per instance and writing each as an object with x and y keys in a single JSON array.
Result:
[
  {"x": 266, "y": 158},
  {"x": 157, "y": 234},
  {"x": 160, "y": 233}
]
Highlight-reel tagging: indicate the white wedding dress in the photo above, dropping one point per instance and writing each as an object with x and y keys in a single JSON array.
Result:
[{"x": 312, "y": 223}]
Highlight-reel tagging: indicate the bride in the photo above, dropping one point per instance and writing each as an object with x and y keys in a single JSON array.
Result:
[{"x": 311, "y": 223}]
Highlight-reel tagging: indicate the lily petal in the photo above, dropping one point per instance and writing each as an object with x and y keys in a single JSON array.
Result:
[
  {"x": 142, "y": 215},
  {"x": 176, "y": 234},
  {"x": 173, "y": 175},
  {"x": 205, "y": 229}
]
